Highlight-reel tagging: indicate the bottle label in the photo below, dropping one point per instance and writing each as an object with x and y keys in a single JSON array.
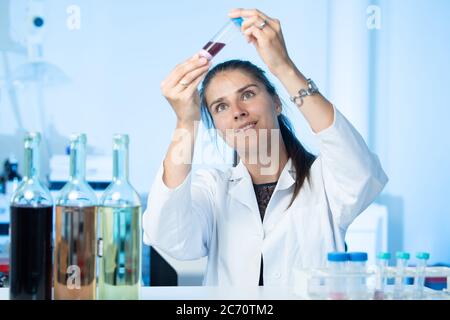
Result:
[{"x": 100, "y": 247}]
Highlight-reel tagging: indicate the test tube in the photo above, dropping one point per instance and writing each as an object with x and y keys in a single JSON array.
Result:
[
  {"x": 402, "y": 262},
  {"x": 221, "y": 38},
  {"x": 382, "y": 263},
  {"x": 337, "y": 265},
  {"x": 419, "y": 281},
  {"x": 357, "y": 275}
]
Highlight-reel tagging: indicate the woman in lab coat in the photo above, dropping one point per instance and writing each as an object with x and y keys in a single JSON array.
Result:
[{"x": 281, "y": 207}]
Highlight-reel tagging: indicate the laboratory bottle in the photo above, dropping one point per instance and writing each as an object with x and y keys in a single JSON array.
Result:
[
  {"x": 419, "y": 279},
  {"x": 357, "y": 288},
  {"x": 120, "y": 231},
  {"x": 400, "y": 274},
  {"x": 382, "y": 263},
  {"x": 31, "y": 210},
  {"x": 336, "y": 279},
  {"x": 76, "y": 231}
]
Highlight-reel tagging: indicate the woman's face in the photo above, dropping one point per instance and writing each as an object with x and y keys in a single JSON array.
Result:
[{"x": 242, "y": 110}]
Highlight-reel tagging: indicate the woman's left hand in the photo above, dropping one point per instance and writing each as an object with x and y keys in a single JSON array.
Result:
[{"x": 265, "y": 33}]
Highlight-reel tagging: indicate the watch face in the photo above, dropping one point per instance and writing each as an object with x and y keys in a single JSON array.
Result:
[{"x": 313, "y": 86}]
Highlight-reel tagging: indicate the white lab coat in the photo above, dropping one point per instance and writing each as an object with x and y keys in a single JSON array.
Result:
[{"x": 215, "y": 214}]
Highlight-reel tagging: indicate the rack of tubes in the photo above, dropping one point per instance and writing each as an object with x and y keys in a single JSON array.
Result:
[{"x": 370, "y": 284}]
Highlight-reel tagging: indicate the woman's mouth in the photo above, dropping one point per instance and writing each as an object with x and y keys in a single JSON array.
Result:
[{"x": 246, "y": 126}]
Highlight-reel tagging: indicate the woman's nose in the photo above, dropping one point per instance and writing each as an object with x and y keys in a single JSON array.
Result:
[{"x": 239, "y": 112}]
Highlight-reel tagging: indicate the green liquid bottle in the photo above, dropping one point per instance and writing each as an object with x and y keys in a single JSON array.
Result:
[{"x": 120, "y": 232}]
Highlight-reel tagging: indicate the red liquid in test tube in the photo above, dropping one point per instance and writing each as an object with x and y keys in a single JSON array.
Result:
[
  {"x": 224, "y": 36},
  {"x": 213, "y": 48}
]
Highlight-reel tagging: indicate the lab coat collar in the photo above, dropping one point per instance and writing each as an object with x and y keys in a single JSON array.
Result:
[
  {"x": 286, "y": 179},
  {"x": 241, "y": 186}
]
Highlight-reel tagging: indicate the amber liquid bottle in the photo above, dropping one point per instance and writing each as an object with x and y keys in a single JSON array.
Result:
[{"x": 76, "y": 231}]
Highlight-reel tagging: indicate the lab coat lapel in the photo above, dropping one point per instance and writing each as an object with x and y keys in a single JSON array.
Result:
[
  {"x": 241, "y": 189},
  {"x": 275, "y": 208},
  {"x": 287, "y": 176}
]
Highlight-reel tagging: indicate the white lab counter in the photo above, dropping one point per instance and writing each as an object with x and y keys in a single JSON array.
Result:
[{"x": 207, "y": 293}]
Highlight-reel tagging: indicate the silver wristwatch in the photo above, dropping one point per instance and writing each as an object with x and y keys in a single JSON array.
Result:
[{"x": 311, "y": 90}]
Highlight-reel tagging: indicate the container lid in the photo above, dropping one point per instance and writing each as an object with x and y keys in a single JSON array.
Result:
[
  {"x": 338, "y": 256},
  {"x": 384, "y": 255},
  {"x": 358, "y": 256},
  {"x": 402, "y": 255},
  {"x": 422, "y": 255},
  {"x": 238, "y": 21}
]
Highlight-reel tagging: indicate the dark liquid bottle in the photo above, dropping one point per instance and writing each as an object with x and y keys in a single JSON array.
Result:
[
  {"x": 76, "y": 231},
  {"x": 31, "y": 232},
  {"x": 224, "y": 36}
]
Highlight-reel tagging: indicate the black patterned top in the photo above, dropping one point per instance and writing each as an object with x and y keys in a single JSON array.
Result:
[{"x": 263, "y": 194}]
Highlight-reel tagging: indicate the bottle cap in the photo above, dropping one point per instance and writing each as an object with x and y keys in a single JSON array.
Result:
[
  {"x": 358, "y": 256},
  {"x": 402, "y": 255},
  {"x": 237, "y": 21},
  {"x": 384, "y": 255},
  {"x": 338, "y": 256},
  {"x": 422, "y": 255}
]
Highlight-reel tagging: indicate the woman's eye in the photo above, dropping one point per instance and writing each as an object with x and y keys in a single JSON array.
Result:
[
  {"x": 221, "y": 107},
  {"x": 247, "y": 95}
]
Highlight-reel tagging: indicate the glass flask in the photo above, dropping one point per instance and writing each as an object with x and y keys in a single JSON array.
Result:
[
  {"x": 120, "y": 231},
  {"x": 76, "y": 231},
  {"x": 31, "y": 231}
]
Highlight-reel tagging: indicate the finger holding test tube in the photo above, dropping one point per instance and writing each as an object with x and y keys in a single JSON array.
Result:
[
  {"x": 265, "y": 34},
  {"x": 180, "y": 88}
]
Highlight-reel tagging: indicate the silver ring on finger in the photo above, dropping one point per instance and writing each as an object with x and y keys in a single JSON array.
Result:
[
  {"x": 263, "y": 24},
  {"x": 184, "y": 83}
]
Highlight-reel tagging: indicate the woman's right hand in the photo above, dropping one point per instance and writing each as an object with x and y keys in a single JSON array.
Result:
[{"x": 180, "y": 88}]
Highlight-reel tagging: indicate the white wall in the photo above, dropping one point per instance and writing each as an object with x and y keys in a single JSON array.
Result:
[{"x": 412, "y": 123}]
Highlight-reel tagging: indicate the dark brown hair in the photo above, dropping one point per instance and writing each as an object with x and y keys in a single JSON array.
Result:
[{"x": 301, "y": 158}]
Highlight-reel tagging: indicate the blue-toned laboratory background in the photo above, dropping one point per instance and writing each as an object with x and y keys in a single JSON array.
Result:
[{"x": 385, "y": 64}]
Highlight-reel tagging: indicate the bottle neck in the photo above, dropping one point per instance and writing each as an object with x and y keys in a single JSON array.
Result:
[
  {"x": 31, "y": 160},
  {"x": 78, "y": 161},
  {"x": 120, "y": 162}
]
